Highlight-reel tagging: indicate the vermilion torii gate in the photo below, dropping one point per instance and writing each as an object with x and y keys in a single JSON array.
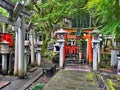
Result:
[{"x": 88, "y": 36}]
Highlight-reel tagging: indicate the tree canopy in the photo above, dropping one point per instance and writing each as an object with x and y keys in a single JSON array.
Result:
[
  {"x": 49, "y": 12},
  {"x": 107, "y": 13},
  {"x": 46, "y": 13},
  {"x": 3, "y": 12}
]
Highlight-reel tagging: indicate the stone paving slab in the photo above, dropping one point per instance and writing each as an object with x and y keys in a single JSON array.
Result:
[
  {"x": 72, "y": 80},
  {"x": 4, "y": 83}
]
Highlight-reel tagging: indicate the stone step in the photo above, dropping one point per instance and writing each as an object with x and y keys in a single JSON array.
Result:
[{"x": 73, "y": 61}]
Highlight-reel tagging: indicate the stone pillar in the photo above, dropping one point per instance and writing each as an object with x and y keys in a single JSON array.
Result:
[
  {"x": 114, "y": 53},
  {"x": 21, "y": 61},
  {"x": 3, "y": 28},
  {"x": 95, "y": 51},
  {"x": 113, "y": 41},
  {"x": 32, "y": 47},
  {"x": 105, "y": 41},
  {"x": 96, "y": 45},
  {"x": 4, "y": 64},
  {"x": 38, "y": 52},
  {"x": 98, "y": 53},
  {"x": 20, "y": 54},
  {"x": 39, "y": 58},
  {"x": 16, "y": 54},
  {"x": 26, "y": 55},
  {"x": 61, "y": 54}
]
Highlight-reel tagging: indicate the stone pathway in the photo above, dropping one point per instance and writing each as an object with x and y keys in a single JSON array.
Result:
[
  {"x": 20, "y": 84},
  {"x": 72, "y": 80}
]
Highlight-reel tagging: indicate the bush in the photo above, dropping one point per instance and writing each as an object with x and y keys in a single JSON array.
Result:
[{"x": 55, "y": 59}]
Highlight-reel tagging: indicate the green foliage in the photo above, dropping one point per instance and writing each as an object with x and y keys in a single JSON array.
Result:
[
  {"x": 51, "y": 12},
  {"x": 38, "y": 87},
  {"x": 54, "y": 10},
  {"x": 108, "y": 13},
  {"x": 105, "y": 60},
  {"x": 110, "y": 84},
  {"x": 90, "y": 76},
  {"x": 18, "y": 1},
  {"x": 3, "y": 12}
]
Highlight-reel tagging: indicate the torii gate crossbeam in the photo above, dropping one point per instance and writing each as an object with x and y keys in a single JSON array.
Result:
[
  {"x": 7, "y": 20},
  {"x": 9, "y": 6}
]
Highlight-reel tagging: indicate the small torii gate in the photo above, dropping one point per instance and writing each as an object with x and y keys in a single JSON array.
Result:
[{"x": 88, "y": 36}]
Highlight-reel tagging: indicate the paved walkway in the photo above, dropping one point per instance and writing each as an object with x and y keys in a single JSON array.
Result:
[
  {"x": 20, "y": 84},
  {"x": 73, "y": 77},
  {"x": 72, "y": 80}
]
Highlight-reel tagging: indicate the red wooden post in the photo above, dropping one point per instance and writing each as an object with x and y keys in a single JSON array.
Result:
[{"x": 90, "y": 51}]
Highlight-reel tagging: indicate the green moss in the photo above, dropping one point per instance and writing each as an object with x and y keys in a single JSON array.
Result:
[
  {"x": 90, "y": 76},
  {"x": 118, "y": 78},
  {"x": 38, "y": 86},
  {"x": 110, "y": 84}
]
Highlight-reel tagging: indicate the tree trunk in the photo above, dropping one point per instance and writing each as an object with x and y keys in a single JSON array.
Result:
[{"x": 45, "y": 42}]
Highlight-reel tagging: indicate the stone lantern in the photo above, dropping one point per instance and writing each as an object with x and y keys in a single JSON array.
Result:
[
  {"x": 96, "y": 47},
  {"x": 26, "y": 53},
  {"x": 60, "y": 35},
  {"x": 38, "y": 49},
  {"x": 4, "y": 51}
]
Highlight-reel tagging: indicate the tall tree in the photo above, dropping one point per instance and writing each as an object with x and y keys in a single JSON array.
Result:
[
  {"x": 107, "y": 12},
  {"x": 50, "y": 12}
]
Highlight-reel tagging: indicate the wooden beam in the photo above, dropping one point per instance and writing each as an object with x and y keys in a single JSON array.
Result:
[
  {"x": 82, "y": 37},
  {"x": 76, "y": 37},
  {"x": 87, "y": 30},
  {"x": 9, "y": 6},
  {"x": 69, "y": 30},
  {"x": 71, "y": 36}
]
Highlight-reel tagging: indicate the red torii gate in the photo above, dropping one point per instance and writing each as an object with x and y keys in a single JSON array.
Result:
[{"x": 87, "y": 36}]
